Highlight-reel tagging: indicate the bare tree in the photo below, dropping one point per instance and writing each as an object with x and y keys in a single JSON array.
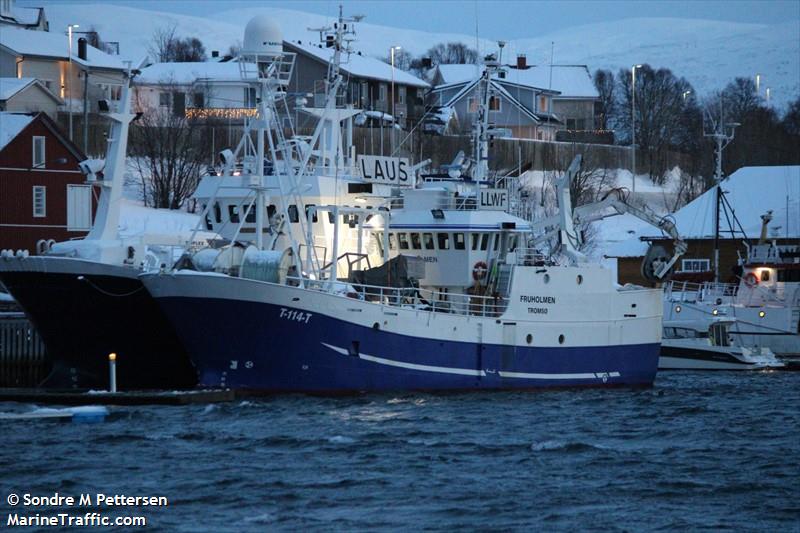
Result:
[
  {"x": 606, "y": 104},
  {"x": 169, "y": 151},
  {"x": 741, "y": 98},
  {"x": 452, "y": 53},
  {"x": 660, "y": 101},
  {"x": 165, "y": 46}
]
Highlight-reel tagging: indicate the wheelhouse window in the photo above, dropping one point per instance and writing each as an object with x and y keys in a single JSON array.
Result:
[
  {"x": 444, "y": 240},
  {"x": 476, "y": 239},
  {"x": 233, "y": 213},
  {"x": 38, "y": 152},
  {"x": 459, "y": 242},
  {"x": 217, "y": 213},
  {"x": 427, "y": 238},
  {"x": 315, "y": 216},
  {"x": 251, "y": 214},
  {"x": 294, "y": 215},
  {"x": 392, "y": 241},
  {"x": 39, "y": 201},
  {"x": 416, "y": 244},
  {"x": 484, "y": 241},
  {"x": 402, "y": 239}
]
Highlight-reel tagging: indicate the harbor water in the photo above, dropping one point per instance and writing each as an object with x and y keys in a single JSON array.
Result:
[{"x": 699, "y": 451}]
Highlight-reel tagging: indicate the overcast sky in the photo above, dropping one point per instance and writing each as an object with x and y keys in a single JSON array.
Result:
[{"x": 507, "y": 19}]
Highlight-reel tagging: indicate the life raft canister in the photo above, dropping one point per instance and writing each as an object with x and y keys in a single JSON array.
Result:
[
  {"x": 479, "y": 271},
  {"x": 750, "y": 279}
]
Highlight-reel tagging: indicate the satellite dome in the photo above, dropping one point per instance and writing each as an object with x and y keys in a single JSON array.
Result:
[{"x": 262, "y": 35}]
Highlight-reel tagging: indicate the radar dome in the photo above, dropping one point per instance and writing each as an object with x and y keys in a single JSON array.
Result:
[{"x": 262, "y": 35}]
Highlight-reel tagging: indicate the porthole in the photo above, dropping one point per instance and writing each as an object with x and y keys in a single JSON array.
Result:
[
  {"x": 376, "y": 326},
  {"x": 561, "y": 339},
  {"x": 529, "y": 338},
  {"x": 547, "y": 278},
  {"x": 580, "y": 279}
]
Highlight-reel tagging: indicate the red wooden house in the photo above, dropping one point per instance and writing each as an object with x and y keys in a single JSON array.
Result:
[{"x": 43, "y": 195}]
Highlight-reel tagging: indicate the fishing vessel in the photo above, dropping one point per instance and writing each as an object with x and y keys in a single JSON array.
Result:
[
  {"x": 460, "y": 297},
  {"x": 764, "y": 305},
  {"x": 84, "y": 296},
  {"x": 686, "y": 345}
]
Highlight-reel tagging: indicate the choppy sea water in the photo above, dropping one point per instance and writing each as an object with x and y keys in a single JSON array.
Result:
[{"x": 699, "y": 451}]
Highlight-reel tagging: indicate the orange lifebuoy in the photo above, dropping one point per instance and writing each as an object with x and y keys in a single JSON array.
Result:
[
  {"x": 479, "y": 271},
  {"x": 750, "y": 279}
]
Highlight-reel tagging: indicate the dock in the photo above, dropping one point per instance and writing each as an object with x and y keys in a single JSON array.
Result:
[{"x": 52, "y": 397}]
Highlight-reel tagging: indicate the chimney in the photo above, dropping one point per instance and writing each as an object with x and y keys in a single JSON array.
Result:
[
  {"x": 522, "y": 62},
  {"x": 82, "y": 48}
]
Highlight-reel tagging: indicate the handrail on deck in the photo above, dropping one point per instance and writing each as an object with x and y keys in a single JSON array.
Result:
[{"x": 413, "y": 297}]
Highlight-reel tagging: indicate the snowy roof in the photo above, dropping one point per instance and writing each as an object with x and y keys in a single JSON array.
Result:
[
  {"x": 10, "y": 126},
  {"x": 187, "y": 73},
  {"x": 751, "y": 192},
  {"x": 47, "y": 44},
  {"x": 361, "y": 66},
  {"x": 572, "y": 81},
  {"x": 25, "y": 15},
  {"x": 457, "y": 73},
  {"x": 11, "y": 86}
]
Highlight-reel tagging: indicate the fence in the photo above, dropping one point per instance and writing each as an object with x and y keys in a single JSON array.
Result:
[{"x": 23, "y": 362}]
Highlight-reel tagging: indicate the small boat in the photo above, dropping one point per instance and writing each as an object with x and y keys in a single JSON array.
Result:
[{"x": 689, "y": 345}]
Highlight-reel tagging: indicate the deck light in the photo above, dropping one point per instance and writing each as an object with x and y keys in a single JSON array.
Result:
[
  {"x": 715, "y": 312},
  {"x": 677, "y": 308},
  {"x": 762, "y": 314}
]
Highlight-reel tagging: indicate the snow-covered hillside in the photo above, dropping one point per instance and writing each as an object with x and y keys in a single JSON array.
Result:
[{"x": 708, "y": 53}]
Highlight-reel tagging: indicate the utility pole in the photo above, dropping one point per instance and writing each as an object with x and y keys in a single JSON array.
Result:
[{"x": 633, "y": 128}]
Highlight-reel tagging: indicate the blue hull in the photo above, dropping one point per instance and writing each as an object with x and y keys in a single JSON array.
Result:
[{"x": 244, "y": 345}]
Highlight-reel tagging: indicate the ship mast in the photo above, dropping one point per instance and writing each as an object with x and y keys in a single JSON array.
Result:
[{"x": 723, "y": 135}]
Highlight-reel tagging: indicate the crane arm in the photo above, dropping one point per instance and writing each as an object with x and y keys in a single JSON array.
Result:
[{"x": 616, "y": 201}]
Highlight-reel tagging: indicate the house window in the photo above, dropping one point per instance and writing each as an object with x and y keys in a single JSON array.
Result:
[
  {"x": 401, "y": 95},
  {"x": 494, "y": 104},
  {"x": 472, "y": 105},
  {"x": 163, "y": 99},
  {"x": 38, "y": 152},
  {"x": 695, "y": 265},
  {"x": 364, "y": 92},
  {"x": 39, "y": 201},
  {"x": 571, "y": 124},
  {"x": 382, "y": 92},
  {"x": 199, "y": 99},
  {"x": 543, "y": 104}
]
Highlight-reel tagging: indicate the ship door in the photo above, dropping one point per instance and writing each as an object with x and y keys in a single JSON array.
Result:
[{"x": 509, "y": 348}]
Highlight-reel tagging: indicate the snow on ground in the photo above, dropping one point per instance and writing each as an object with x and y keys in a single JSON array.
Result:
[{"x": 708, "y": 53}]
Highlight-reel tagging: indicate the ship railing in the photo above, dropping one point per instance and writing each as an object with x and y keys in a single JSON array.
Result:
[
  {"x": 529, "y": 257},
  {"x": 412, "y": 297},
  {"x": 688, "y": 291},
  {"x": 457, "y": 203}
]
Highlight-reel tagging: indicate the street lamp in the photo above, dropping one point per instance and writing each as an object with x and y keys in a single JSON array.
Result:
[
  {"x": 758, "y": 82},
  {"x": 686, "y": 93},
  {"x": 70, "y": 27},
  {"x": 391, "y": 53},
  {"x": 633, "y": 127},
  {"x": 768, "y": 95}
]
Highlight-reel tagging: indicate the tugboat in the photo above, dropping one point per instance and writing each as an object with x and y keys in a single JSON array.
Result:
[
  {"x": 686, "y": 346},
  {"x": 84, "y": 296},
  {"x": 461, "y": 298}
]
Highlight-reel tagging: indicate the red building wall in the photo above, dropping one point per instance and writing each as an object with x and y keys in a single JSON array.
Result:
[{"x": 19, "y": 229}]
